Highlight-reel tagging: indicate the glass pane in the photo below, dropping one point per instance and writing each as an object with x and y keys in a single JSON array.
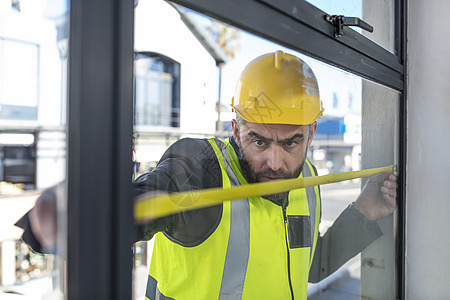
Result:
[
  {"x": 33, "y": 67},
  {"x": 379, "y": 14},
  {"x": 357, "y": 131}
]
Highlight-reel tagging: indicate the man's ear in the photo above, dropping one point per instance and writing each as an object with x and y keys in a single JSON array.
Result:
[
  {"x": 235, "y": 127},
  {"x": 312, "y": 131}
]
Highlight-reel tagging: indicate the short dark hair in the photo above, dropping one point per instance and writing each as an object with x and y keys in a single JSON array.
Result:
[{"x": 240, "y": 120}]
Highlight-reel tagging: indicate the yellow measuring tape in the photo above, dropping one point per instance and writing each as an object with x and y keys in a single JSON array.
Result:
[{"x": 151, "y": 207}]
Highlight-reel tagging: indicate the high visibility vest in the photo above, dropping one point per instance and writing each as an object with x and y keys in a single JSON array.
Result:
[{"x": 258, "y": 251}]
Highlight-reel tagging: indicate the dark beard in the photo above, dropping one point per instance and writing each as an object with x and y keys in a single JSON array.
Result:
[{"x": 253, "y": 177}]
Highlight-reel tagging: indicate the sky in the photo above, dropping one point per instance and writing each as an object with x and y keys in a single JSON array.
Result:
[{"x": 337, "y": 81}]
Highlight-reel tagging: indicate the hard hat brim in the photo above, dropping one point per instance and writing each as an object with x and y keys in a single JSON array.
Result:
[{"x": 293, "y": 116}]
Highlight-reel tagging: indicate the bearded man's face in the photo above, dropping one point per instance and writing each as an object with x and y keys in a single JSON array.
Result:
[{"x": 269, "y": 152}]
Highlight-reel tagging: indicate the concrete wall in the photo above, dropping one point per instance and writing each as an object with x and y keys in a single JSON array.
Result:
[{"x": 428, "y": 165}]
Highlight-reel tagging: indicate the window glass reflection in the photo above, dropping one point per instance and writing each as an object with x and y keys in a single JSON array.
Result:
[
  {"x": 33, "y": 65},
  {"x": 19, "y": 80},
  {"x": 343, "y": 142}
]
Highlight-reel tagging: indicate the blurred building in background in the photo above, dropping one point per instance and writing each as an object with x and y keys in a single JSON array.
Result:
[
  {"x": 177, "y": 69},
  {"x": 33, "y": 67}
]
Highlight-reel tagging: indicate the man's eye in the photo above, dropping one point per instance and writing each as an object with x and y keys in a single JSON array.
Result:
[
  {"x": 290, "y": 144},
  {"x": 259, "y": 143}
]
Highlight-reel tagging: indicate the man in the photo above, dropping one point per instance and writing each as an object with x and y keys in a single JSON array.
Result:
[{"x": 263, "y": 247}]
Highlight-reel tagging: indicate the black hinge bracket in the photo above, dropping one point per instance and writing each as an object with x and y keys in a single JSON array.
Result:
[{"x": 340, "y": 21}]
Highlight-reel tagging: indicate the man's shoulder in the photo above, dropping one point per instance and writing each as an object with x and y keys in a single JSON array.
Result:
[
  {"x": 191, "y": 147},
  {"x": 187, "y": 164},
  {"x": 195, "y": 158}
]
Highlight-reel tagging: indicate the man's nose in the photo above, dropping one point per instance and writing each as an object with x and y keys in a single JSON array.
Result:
[{"x": 274, "y": 157}]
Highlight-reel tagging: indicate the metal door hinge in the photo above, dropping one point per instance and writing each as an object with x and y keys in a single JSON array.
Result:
[{"x": 340, "y": 21}]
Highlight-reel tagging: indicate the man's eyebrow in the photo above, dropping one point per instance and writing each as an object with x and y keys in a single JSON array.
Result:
[
  {"x": 289, "y": 139},
  {"x": 295, "y": 136},
  {"x": 258, "y": 136}
]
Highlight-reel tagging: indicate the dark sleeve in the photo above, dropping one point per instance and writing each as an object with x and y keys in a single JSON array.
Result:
[
  {"x": 28, "y": 236},
  {"x": 189, "y": 164},
  {"x": 350, "y": 234}
]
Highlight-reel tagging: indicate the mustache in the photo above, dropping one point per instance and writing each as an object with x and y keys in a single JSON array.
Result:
[{"x": 275, "y": 174}]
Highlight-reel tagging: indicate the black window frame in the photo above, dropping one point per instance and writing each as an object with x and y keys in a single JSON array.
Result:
[
  {"x": 100, "y": 114},
  {"x": 99, "y": 171}
]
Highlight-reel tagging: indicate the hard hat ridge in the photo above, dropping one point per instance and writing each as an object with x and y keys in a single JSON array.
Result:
[{"x": 280, "y": 61}]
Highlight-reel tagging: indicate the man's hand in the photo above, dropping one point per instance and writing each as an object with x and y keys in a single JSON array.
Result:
[{"x": 378, "y": 197}]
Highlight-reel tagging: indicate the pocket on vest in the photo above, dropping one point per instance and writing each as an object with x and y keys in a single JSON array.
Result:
[{"x": 299, "y": 231}]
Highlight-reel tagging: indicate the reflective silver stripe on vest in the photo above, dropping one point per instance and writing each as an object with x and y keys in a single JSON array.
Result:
[
  {"x": 312, "y": 202},
  {"x": 238, "y": 249},
  {"x": 223, "y": 148},
  {"x": 153, "y": 292}
]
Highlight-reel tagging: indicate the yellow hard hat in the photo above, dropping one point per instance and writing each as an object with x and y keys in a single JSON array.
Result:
[{"x": 278, "y": 88}]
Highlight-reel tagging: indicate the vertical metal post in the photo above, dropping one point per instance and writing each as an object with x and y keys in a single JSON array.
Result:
[
  {"x": 401, "y": 38},
  {"x": 100, "y": 111}
]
